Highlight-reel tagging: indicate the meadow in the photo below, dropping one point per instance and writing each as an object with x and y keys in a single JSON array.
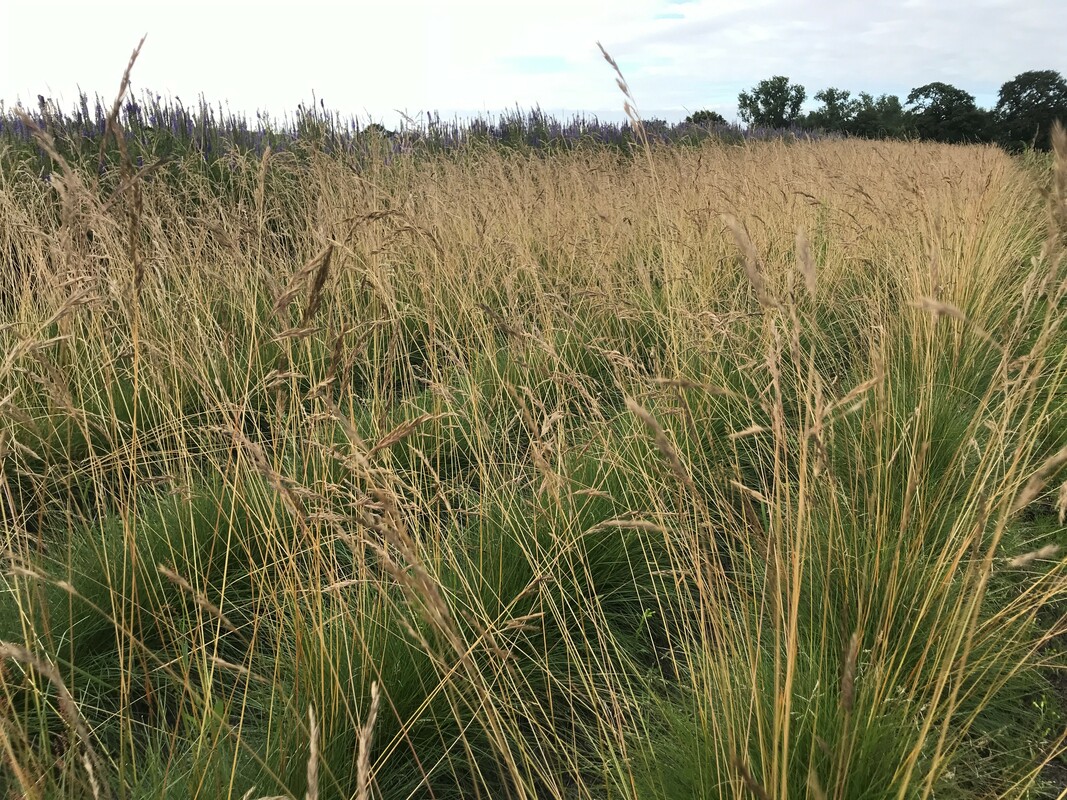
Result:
[{"x": 723, "y": 468}]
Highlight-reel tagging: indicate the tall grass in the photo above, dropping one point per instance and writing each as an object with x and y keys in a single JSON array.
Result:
[{"x": 716, "y": 472}]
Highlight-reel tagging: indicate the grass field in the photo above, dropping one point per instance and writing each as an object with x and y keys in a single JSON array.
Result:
[{"x": 691, "y": 472}]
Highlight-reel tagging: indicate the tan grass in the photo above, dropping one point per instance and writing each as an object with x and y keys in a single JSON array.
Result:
[{"x": 500, "y": 263}]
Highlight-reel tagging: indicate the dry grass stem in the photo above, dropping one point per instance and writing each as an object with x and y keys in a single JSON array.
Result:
[
  {"x": 1037, "y": 481},
  {"x": 663, "y": 443},
  {"x": 848, "y": 675},
  {"x": 313, "y": 757},
  {"x": 752, "y": 263},
  {"x": 1041, "y": 554},
  {"x": 805, "y": 262},
  {"x": 366, "y": 736},
  {"x": 199, "y": 597},
  {"x": 750, "y": 782}
]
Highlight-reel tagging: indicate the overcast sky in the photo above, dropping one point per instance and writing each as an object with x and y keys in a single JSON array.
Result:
[{"x": 462, "y": 56}]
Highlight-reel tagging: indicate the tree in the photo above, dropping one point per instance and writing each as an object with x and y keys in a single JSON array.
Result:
[
  {"x": 879, "y": 118},
  {"x": 705, "y": 117},
  {"x": 944, "y": 113},
  {"x": 837, "y": 111},
  {"x": 773, "y": 103},
  {"x": 377, "y": 129},
  {"x": 1027, "y": 106},
  {"x": 656, "y": 125}
]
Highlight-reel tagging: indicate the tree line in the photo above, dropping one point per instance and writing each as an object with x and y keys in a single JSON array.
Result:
[{"x": 1026, "y": 107}]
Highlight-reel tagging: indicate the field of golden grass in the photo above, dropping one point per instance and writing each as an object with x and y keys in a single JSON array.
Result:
[{"x": 696, "y": 472}]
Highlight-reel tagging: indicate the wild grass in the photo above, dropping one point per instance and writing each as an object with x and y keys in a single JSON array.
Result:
[{"x": 716, "y": 472}]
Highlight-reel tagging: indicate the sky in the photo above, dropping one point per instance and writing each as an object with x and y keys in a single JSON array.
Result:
[{"x": 376, "y": 60}]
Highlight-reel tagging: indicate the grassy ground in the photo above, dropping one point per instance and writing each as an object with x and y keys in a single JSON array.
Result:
[{"x": 709, "y": 472}]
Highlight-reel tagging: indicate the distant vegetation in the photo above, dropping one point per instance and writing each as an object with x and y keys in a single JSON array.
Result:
[
  {"x": 706, "y": 118},
  {"x": 939, "y": 112},
  {"x": 154, "y": 128}
]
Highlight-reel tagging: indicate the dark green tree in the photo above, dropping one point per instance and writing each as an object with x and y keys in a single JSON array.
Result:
[
  {"x": 706, "y": 117},
  {"x": 943, "y": 113},
  {"x": 655, "y": 126},
  {"x": 377, "y": 129},
  {"x": 836, "y": 113},
  {"x": 773, "y": 103},
  {"x": 1028, "y": 105},
  {"x": 879, "y": 118}
]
